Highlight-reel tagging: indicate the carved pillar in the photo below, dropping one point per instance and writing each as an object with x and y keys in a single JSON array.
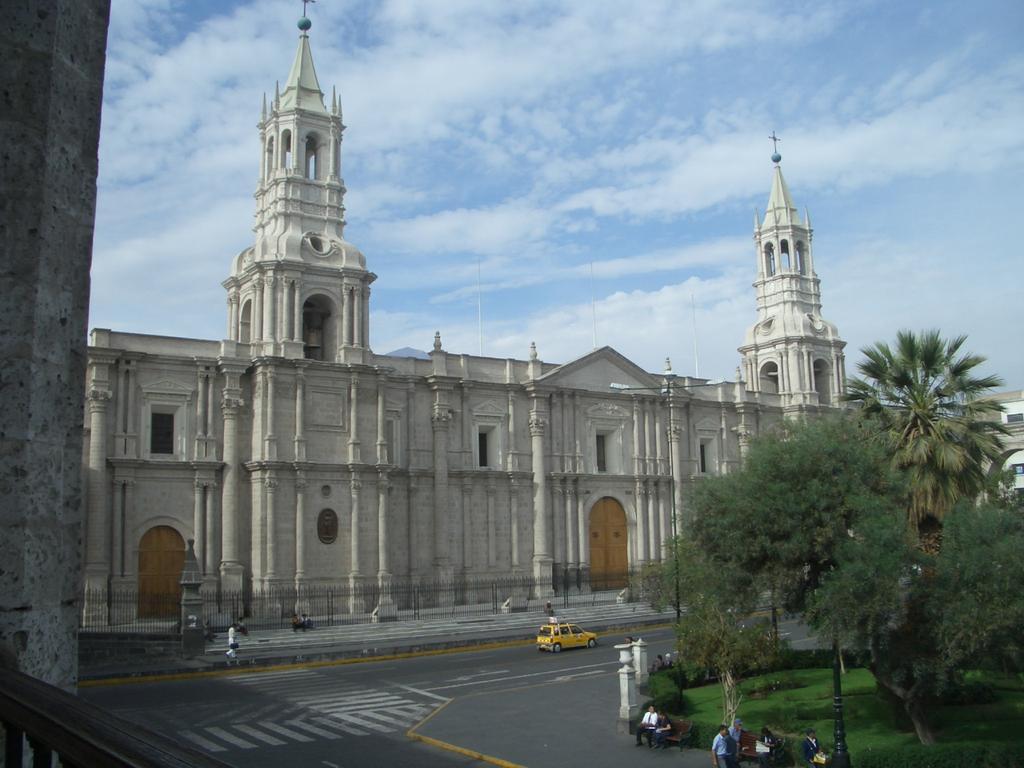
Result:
[
  {"x": 492, "y": 523},
  {"x": 353, "y": 419},
  {"x": 199, "y": 518},
  {"x": 640, "y": 513},
  {"x": 584, "y": 539},
  {"x": 572, "y": 535},
  {"x": 512, "y": 462},
  {"x": 233, "y": 315},
  {"x": 346, "y": 316},
  {"x": 117, "y": 553},
  {"x": 513, "y": 514},
  {"x": 269, "y": 305},
  {"x": 300, "y": 412},
  {"x": 210, "y": 535},
  {"x": 355, "y": 576},
  {"x": 664, "y": 515},
  {"x": 231, "y": 570},
  {"x": 97, "y": 555},
  {"x": 440, "y": 420},
  {"x": 272, "y": 536},
  {"x": 467, "y": 524},
  {"x": 541, "y": 527},
  {"x": 653, "y": 528},
  {"x": 382, "y": 445},
  {"x": 296, "y": 311},
  {"x": 649, "y": 458},
  {"x": 300, "y": 528},
  {"x": 637, "y": 446},
  {"x": 357, "y": 317},
  {"x": 270, "y": 439},
  {"x": 257, "y": 312},
  {"x": 558, "y": 531},
  {"x": 383, "y": 559}
]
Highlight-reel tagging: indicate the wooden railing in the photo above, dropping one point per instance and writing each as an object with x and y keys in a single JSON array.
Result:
[{"x": 46, "y": 721}]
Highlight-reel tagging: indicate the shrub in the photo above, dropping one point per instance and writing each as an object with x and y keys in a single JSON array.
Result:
[{"x": 961, "y": 754}]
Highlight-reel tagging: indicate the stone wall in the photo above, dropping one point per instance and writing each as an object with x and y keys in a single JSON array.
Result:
[{"x": 52, "y": 54}]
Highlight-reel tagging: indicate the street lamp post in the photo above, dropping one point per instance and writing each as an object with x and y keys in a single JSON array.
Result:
[{"x": 840, "y": 755}]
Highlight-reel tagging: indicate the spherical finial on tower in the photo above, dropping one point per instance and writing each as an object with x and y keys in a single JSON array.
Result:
[
  {"x": 776, "y": 158},
  {"x": 304, "y": 24}
]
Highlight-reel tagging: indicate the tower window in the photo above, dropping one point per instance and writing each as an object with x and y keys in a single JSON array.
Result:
[
  {"x": 822, "y": 382},
  {"x": 161, "y": 433},
  {"x": 600, "y": 454},
  {"x": 769, "y": 259},
  {"x": 245, "y": 323},
  {"x": 269, "y": 170},
  {"x": 800, "y": 266},
  {"x": 312, "y": 157},
  {"x": 784, "y": 255},
  {"x": 769, "y": 378},
  {"x": 286, "y": 149},
  {"x": 482, "y": 454}
]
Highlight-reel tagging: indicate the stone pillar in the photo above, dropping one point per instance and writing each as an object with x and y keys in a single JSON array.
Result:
[
  {"x": 357, "y": 317},
  {"x": 271, "y": 571},
  {"x": 117, "y": 553},
  {"x": 382, "y": 445},
  {"x": 97, "y": 552},
  {"x": 199, "y": 517},
  {"x": 541, "y": 525},
  {"x": 53, "y": 56},
  {"x": 492, "y": 524},
  {"x": 356, "y": 604},
  {"x": 653, "y": 548},
  {"x": 513, "y": 515},
  {"x": 353, "y": 421},
  {"x": 385, "y": 609},
  {"x": 269, "y": 439},
  {"x": 664, "y": 516},
  {"x": 675, "y": 440},
  {"x": 300, "y": 412},
  {"x": 640, "y": 660},
  {"x": 346, "y": 316},
  {"x": 628, "y": 707},
  {"x": 584, "y": 540},
  {"x": 210, "y": 550},
  {"x": 256, "y": 333},
  {"x": 440, "y": 421},
  {"x": 231, "y": 569},
  {"x": 467, "y": 524},
  {"x": 639, "y": 513},
  {"x": 269, "y": 305},
  {"x": 293, "y": 287},
  {"x": 572, "y": 552},
  {"x": 300, "y": 529}
]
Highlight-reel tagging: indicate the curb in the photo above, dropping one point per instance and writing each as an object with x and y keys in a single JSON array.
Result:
[
  {"x": 449, "y": 747},
  {"x": 326, "y": 658}
]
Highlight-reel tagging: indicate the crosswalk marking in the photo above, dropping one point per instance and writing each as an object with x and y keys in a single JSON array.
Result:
[
  {"x": 378, "y": 716},
  {"x": 230, "y": 738},
  {"x": 361, "y": 722},
  {"x": 248, "y": 730},
  {"x": 198, "y": 740},
  {"x": 285, "y": 731},
  {"x": 358, "y": 706},
  {"x": 343, "y": 727},
  {"x": 312, "y": 729}
]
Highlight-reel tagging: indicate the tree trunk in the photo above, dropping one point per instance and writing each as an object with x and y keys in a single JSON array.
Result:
[
  {"x": 731, "y": 695},
  {"x": 913, "y": 704}
]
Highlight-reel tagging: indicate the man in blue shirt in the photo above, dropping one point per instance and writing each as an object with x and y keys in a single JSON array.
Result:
[{"x": 720, "y": 748}]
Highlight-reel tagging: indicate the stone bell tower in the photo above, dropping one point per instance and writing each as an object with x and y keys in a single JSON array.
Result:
[
  {"x": 301, "y": 291},
  {"x": 791, "y": 350}
]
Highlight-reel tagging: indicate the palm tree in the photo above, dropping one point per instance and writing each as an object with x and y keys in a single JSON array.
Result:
[{"x": 930, "y": 406}]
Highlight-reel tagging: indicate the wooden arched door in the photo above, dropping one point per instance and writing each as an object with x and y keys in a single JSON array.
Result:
[
  {"x": 161, "y": 558},
  {"x": 609, "y": 562}
]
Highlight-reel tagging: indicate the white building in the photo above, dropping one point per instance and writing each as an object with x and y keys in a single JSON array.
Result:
[
  {"x": 1013, "y": 419},
  {"x": 293, "y": 454}
]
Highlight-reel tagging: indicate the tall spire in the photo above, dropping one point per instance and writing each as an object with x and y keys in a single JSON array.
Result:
[
  {"x": 780, "y": 204},
  {"x": 302, "y": 91}
]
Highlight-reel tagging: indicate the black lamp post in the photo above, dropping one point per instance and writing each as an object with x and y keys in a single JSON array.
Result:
[{"x": 840, "y": 755}]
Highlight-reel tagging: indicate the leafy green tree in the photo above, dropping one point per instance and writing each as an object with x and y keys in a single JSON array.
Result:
[
  {"x": 928, "y": 401},
  {"x": 817, "y": 514},
  {"x": 711, "y": 634}
]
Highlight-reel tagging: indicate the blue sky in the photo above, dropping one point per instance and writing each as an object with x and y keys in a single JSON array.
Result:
[{"x": 542, "y": 142}]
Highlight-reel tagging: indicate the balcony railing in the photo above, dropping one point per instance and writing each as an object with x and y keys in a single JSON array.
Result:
[{"x": 45, "y": 722}]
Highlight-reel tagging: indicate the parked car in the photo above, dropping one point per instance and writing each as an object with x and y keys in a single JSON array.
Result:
[{"x": 555, "y": 637}]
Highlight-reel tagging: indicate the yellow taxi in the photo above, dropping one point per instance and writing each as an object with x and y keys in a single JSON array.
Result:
[{"x": 554, "y": 637}]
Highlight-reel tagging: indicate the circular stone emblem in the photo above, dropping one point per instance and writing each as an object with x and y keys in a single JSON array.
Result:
[{"x": 327, "y": 526}]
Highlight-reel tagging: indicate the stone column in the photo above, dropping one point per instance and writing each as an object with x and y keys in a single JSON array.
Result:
[
  {"x": 210, "y": 552},
  {"x": 382, "y": 445},
  {"x": 357, "y": 317},
  {"x": 300, "y": 411},
  {"x": 353, "y": 421},
  {"x": 346, "y": 315},
  {"x": 467, "y": 524},
  {"x": 199, "y": 518},
  {"x": 293, "y": 286},
  {"x": 558, "y": 532},
  {"x": 269, "y": 305},
  {"x": 231, "y": 569},
  {"x": 440, "y": 420},
  {"x": 97, "y": 553},
  {"x": 664, "y": 515},
  {"x": 637, "y": 445},
  {"x": 270, "y": 439},
  {"x": 640, "y": 512},
  {"x": 675, "y": 438},
  {"x": 653, "y": 528},
  {"x": 385, "y": 610},
  {"x": 628, "y": 707},
  {"x": 256, "y": 333},
  {"x": 650, "y": 465},
  {"x": 584, "y": 540},
  {"x": 513, "y": 515},
  {"x": 300, "y": 529},
  {"x": 572, "y": 552},
  {"x": 356, "y": 604},
  {"x": 365, "y": 340},
  {"x": 271, "y": 571},
  {"x": 541, "y": 525},
  {"x": 492, "y": 524}
]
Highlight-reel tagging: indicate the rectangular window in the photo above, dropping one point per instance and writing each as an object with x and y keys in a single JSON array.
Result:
[
  {"x": 161, "y": 433},
  {"x": 1018, "y": 469},
  {"x": 482, "y": 446},
  {"x": 1014, "y": 418},
  {"x": 602, "y": 459},
  {"x": 390, "y": 433},
  {"x": 703, "y": 457}
]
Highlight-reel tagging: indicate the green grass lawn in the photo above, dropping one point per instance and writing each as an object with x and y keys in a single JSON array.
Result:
[{"x": 803, "y": 699}]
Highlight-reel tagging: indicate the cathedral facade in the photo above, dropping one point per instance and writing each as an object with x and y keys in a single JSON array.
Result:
[{"x": 293, "y": 454}]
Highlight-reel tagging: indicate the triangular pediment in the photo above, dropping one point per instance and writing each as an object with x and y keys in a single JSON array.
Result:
[
  {"x": 165, "y": 387},
  {"x": 603, "y": 370}
]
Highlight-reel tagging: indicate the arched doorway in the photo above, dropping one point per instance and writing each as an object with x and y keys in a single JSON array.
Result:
[
  {"x": 609, "y": 562},
  {"x": 161, "y": 558}
]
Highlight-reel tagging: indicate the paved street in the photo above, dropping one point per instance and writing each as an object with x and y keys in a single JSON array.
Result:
[{"x": 514, "y": 703}]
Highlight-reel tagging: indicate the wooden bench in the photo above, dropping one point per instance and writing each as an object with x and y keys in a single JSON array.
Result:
[
  {"x": 682, "y": 730},
  {"x": 748, "y": 746}
]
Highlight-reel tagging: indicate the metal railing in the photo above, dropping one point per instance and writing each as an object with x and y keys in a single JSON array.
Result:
[
  {"x": 42, "y": 721},
  {"x": 397, "y": 599}
]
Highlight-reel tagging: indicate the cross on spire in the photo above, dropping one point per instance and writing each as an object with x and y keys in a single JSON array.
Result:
[
  {"x": 304, "y": 4},
  {"x": 774, "y": 139}
]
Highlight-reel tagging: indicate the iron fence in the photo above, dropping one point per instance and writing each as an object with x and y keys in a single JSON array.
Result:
[{"x": 394, "y": 599}]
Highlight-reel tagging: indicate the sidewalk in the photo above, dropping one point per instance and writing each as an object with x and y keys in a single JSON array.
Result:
[{"x": 364, "y": 641}]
